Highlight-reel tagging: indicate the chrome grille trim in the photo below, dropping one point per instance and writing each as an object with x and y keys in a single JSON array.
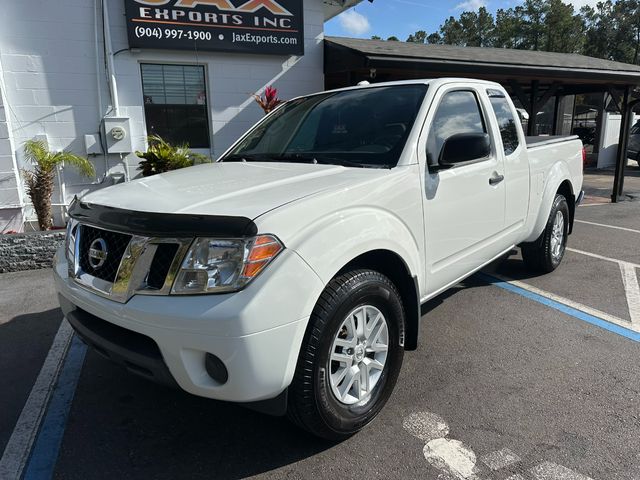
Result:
[{"x": 133, "y": 269}]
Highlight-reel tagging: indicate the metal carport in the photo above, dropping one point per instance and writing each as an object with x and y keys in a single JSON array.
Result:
[{"x": 531, "y": 77}]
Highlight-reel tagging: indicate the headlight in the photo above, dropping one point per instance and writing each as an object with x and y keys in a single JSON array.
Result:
[{"x": 216, "y": 265}]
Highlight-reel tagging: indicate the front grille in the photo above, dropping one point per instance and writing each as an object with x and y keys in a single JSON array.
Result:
[
  {"x": 115, "y": 243},
  {"x": 160, "y": 265},
  {"x": 118, "y": 265}
]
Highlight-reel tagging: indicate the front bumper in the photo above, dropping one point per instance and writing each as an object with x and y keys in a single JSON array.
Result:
[{"x": 256, "y": 332}]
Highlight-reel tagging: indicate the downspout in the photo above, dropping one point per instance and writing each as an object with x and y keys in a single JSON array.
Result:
[
  {"x": 110, "y": 63},
  {"x": 97, "y": 48},
  {"x": 99, "y": 78}
]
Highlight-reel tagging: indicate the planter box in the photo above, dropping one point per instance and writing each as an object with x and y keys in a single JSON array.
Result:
[{"x": 29, "y": 251}]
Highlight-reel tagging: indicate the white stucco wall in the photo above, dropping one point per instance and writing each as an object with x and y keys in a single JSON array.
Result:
[
  {"x": 56, "y": 84},
  {"x": 609, "y": 136},
  {"x": 10, "y": 189}
]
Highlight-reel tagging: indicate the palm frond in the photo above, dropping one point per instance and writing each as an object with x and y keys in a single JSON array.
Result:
[
  {"x": 36, "y": 152},
  {"x": 84, "y": 166}
]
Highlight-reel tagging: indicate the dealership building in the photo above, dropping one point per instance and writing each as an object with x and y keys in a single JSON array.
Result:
[{"x": 97, "y": 76}]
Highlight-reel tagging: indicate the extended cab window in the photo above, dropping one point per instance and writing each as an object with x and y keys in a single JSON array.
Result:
[
  {"x": 365, "y": 127},
  {"x": 506, "y": 121},
  {"x": 458, "y": 112}
]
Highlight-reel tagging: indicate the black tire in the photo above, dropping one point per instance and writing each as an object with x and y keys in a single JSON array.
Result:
[
  {"x": 538, "y": 256},
  {"x": 312, "y": 404}
]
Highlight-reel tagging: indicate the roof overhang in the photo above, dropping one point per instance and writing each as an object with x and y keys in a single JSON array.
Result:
[
  {"x": 341, "y": 58},
  {"x": 332, "y": 8}
]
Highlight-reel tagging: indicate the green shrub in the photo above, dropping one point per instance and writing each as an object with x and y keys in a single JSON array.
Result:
[{"x": 161, "y": 157}]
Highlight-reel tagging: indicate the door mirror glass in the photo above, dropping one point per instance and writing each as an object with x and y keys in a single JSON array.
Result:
[{"x": 464, "y": 147}]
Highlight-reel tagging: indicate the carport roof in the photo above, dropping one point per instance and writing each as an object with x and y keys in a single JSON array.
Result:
[{"x": 501, "y": 61}]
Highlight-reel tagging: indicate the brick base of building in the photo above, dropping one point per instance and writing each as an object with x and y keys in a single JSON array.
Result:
[{"x": 29, "y": 251}]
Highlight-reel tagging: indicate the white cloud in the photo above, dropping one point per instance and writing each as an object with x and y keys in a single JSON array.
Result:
[
  {"x": 470, "y": 5},
  {"x": 354, "y": 23}
]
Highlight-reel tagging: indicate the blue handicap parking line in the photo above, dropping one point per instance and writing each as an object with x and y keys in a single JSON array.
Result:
[
  {"x": 561, "y": 307},
  {"x": 44, "y": 454}
]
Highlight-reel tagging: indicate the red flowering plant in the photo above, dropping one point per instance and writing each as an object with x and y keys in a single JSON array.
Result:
[{"x": 268, "y": 100}]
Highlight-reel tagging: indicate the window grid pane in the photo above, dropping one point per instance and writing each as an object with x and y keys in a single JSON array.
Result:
[{"x": 176, "y": 104}]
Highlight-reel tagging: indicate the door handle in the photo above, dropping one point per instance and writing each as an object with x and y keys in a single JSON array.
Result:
[{"x": 496, "y": 179}]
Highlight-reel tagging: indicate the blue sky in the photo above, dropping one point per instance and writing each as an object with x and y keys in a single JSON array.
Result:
[{"x": 403, "y": 17}]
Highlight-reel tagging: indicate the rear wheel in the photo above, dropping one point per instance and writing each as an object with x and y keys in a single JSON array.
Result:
[
  {"x": 351, "y": 356},
  {"x": 545, "y": 254}
]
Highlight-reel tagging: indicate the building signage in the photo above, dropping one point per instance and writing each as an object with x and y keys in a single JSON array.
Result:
[{"x": 250, "y": 26}]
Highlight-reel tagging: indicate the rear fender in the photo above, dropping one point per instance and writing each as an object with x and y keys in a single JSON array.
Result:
[{"x": 558, "y": 173}]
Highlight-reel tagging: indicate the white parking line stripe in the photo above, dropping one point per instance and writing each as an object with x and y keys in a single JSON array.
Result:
[
  {"x": 24, "y": 433},
  {"x": 452, "y": 457},
  {"x": 500, "y": 459},
  {"x": 608, "y": 226},
  {"x": 632, "y": 291},
  {"x": 426, "y": 426},
  {"x": 595, "y": 255},
  {"x": 551, "y": 471},
  {"x": 570, "y": 303}
]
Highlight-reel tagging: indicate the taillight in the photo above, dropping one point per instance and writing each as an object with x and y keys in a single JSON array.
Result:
[{"x": 584, "y": 156}]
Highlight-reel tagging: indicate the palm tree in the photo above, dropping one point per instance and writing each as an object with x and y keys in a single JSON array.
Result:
[{"x": 40, "y": 179}]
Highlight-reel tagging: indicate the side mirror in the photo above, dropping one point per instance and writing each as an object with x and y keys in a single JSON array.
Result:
[{"x": 464, "y": 147}]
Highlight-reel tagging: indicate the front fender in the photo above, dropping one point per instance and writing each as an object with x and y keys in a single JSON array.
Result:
[
  {"x": 330, "y": 243},
  {"x": 558, "y": 173}
]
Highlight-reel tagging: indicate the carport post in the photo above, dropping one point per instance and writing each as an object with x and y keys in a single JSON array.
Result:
[
  {"x": 532, "y": 127},
  {"x": 621, "y": 156}
]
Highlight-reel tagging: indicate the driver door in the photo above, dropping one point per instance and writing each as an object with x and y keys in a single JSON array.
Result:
[{"x": 464, "y": 205}]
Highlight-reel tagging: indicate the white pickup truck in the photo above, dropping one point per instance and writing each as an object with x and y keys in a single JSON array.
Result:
[{"x": 288, "y": 276}]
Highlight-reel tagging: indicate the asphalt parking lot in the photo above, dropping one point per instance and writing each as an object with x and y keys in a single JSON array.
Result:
[{"x": 516, "y": 377}]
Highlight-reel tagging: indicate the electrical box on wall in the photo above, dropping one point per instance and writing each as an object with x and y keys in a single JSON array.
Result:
[
  {"x": 92, "y": 144},
  {"x": 117, "y": 134}
]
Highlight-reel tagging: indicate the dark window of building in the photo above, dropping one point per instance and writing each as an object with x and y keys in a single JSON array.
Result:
[
  {"x": 506, "y": 121},
  {"x": 175, "y": 103},
  {"x": 458, "y": 112}
]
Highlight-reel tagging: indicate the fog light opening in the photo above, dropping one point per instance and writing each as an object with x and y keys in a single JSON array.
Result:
[{"x": 215, "y": 368}]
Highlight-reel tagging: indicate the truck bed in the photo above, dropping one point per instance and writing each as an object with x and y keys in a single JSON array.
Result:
[{"x": 541, "y": 140}]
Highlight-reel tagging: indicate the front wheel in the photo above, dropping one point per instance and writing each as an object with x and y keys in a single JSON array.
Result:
[
  {"x": 350, "y": 357},
  {"x": 545, "y": 254}
]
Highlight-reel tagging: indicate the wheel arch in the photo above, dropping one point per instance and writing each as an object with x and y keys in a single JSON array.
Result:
[
  {"x": 566, "y": 189},
  {"x": 558, "y": 181},
  {"x": 394, "y": 267}
]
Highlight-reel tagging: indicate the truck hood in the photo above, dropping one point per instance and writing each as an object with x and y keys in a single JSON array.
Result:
[{"x": 234, "y": 189}]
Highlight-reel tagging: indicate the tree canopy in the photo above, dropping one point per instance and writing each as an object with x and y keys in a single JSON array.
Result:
[{"x": 610, "y": 30}]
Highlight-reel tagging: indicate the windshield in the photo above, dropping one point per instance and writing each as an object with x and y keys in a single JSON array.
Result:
[{"x": 358, "y": 128}]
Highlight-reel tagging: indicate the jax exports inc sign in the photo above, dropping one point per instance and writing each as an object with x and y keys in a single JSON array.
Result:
[{"x": 251, "y": 26}]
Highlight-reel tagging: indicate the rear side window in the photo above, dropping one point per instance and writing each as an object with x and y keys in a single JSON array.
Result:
[
  {"x": 458, "y": 112},
  {"x": 506, "y": 121}
]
